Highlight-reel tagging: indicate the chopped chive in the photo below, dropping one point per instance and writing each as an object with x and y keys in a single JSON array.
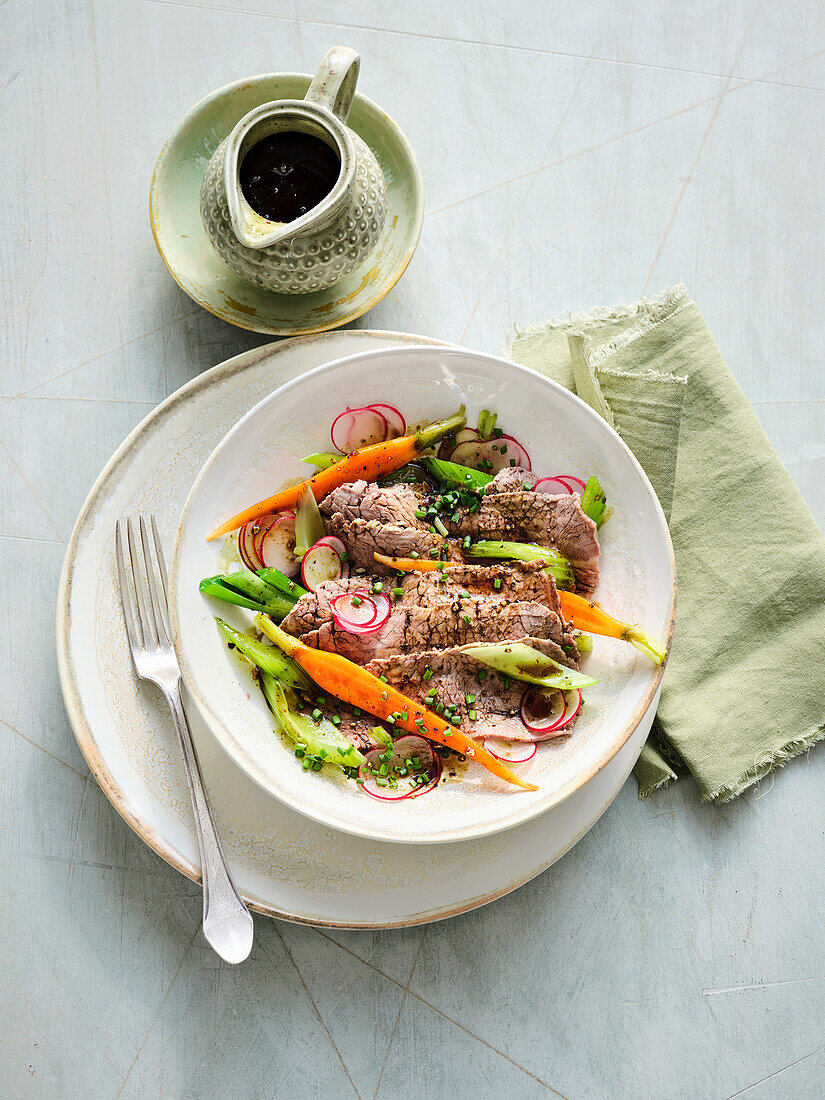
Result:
[
  {"x": 379, "y": 782},
  {"x": 469, "y": 699},
  {"x": 320, "y": 700},
  {"x": 316, "y": 714},
  {"x": 336, "y": 719},
  {"x": 414, "y": 554},
  {"x": 466, "y": 619},
  {"x": 482, "y": 674},
  {"x": 420, "y": 513},
  {"x": 378, "y": 586},
  {"x": 390, "y": 720},
  {"x": 467, "y": 541},
  {"x": 398, "y": 591},
  {"x": 356, "y": 602},
  {"x": 498, "y": 432},
  {"x": 428, "y": 674},
  {"x": 503, "y": 448},
  {"x": 497, "y": 583},
  {"x": 345, "y": 556},
  {"x": 383, "y": 679},
  {"x": 356, "y": 712},
  {"x": 473, "y": 715},
  {"x": 512, "y": 462}
]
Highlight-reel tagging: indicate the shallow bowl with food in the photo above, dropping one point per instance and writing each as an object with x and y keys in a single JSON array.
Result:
[{"x": 561, "y": 435}]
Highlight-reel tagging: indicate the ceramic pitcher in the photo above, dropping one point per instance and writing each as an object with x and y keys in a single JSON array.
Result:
[{"x": 323, "y": 245}]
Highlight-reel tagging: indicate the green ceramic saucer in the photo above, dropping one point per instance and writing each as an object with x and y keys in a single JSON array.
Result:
[{"x": 174, "y": 210}]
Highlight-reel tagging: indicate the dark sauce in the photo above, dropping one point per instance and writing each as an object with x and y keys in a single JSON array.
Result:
[{"x": 286, "y": 174}]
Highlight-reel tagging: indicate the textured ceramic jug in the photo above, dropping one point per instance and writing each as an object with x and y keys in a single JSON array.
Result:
[{"x": 320, "y": 247}]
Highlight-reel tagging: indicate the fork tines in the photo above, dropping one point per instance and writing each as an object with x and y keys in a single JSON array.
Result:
[{"x": 148, "y": 590}]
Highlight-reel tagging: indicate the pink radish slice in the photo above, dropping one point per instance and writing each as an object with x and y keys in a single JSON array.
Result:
[
  {"x": 491, "y": 455},
  {"x": 573, "y": 701},
  {"x": 577, "y": 482},
  {"x": 262, "y": 525},
  {"x": 356, "y": 428},
  {"x": 362, "y": 613},
  {"x": 516, "y": 752},
  {"x": 348, "y": 618},
  {"x": 246, "y": 547},
  {"x": 448, "y": 445},
  {"x": 278, "y": 546},
  {"x": 552, "y": 485},
  {"x": 340, "y": 549},
  {"x": 395, "y": 421},
  {"x": 543, "y": 711},
  {"x": 403, "y": 751},
  {"x": 320, "y": 563}
]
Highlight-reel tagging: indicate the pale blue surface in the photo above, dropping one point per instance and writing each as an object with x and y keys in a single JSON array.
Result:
[{"x": 573, "y": 154}]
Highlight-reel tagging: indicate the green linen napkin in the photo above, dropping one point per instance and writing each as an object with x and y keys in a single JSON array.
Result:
[{"x": 743, "y": 690}]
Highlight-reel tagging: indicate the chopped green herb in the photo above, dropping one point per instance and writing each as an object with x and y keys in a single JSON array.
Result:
[
  {"x": 378, "y": 586},
  {"x": 473, "y": 715},
  {"x": 428, "y": 673},
  {"x": 398, "y": 591},
  {"x": 414, "y": 554},
  {"x": 497, "y": 583},
  {"x": 469, "y": 698}
]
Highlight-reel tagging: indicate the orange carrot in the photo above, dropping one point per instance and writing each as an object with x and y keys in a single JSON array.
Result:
[
  {"x": 413, "y": 565},
  {"x": 348, "y": 681},
  {"x": 590, "y": 617},
  {"x": 369, "y": 463}
]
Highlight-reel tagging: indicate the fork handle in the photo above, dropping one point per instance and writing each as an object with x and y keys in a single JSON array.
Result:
[{"x": 227, "y": 923}]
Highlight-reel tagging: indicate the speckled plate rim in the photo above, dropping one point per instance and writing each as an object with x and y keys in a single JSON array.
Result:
[
  {"x": 362, "y": 306},
  {"x": 131, "y": 812},
  {"x": 233, "y": 746}
]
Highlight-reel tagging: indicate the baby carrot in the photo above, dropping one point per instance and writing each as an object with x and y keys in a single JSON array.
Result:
[
  {"x": 348, "y": 681},
  {"x": 412, "y": 565},
  {"x": 590, "y": 617},
  {"x": 369, "y": 463}
]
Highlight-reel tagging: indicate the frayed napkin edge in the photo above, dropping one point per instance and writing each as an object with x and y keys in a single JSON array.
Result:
[
  {"x": 647, "y": 312},
  {"x": 765, "y": 763}
]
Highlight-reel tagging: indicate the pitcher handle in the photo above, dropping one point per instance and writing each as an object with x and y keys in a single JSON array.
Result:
[{"x": 333, "y": 86}]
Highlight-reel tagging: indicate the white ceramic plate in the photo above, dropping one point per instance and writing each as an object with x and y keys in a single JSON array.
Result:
[
  {"x": 285, "y": 865},
  {"x": 562, "y": 434}
]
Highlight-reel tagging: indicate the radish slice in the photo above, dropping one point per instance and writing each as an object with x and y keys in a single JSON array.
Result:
[
  {"x": 448, "y": 445},
  {"x": 356, "y": 428},
  {"x": 543, "y": 711},
  {"x": 517, "y": 752},
  {"x": 395, "y": 421},
  {"x": 404, "y": 752},
  {"x": 578, "y": 484},
  {"x": 573, "y": 701},
  {"x": 260, "y": 528},
  {"x": 354, "y": 617},
  {"x": 365, "y": 617},
  {"x": 491, "y": 455},
  {"x": 553, "y": 485},
  {"x": 340, "y": 549},
  {"x": 246, "y": 544},
  {"x": 320, "y": 563},
  {"x": 277, "y": 547}
]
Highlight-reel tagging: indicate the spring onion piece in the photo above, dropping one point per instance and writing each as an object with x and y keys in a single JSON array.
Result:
[
  {"x": 244, "y": 589},
  {"x": 451, "y": 473},
  {"x": 522, "y": 662},
  {"x": 282, "y": 582},
  {"x": 267, "y": 658},
  {"x": 594, "y": 501},
  {"x": 323, "y": 460},
  {"x": 320, "y": 738},
  {"x": 309, "y": 526},
  {"x": 557, "y": 566},
  {"x": 486, "y": 423}
]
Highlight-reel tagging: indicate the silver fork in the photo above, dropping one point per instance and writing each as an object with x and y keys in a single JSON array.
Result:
[{"x": 227, "y": 923}]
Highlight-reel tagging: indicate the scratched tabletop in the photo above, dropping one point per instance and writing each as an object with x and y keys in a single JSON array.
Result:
[{"x": 574, "y": 154}]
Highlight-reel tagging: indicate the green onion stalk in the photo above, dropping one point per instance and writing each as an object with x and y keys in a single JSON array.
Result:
[
  {"x": 523, "y": 662},
  {"x": 555, "y": 564}
]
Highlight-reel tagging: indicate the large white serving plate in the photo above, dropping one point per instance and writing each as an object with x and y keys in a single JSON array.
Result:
[
  {"x": 562, "y": 434},
  {"x": 285, "y": 865}
]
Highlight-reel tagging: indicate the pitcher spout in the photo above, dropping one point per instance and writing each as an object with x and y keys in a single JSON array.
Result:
[{"x": 252, "y": 229}]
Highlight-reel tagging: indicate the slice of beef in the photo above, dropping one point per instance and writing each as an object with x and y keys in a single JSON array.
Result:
[
  {"x": 520, "y": 581},
  {"x": 364, "y": 538},
  {"x": 371, "y": 518},
  {"x": 517, "y": 580},
  {"x": 546, "y": 520},
  {"x": 512, "y": 479},
  {"x": 412, "y": 629},
  {"x": 496, "y": 699}
]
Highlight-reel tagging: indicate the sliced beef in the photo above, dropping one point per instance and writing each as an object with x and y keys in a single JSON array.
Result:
[
  {"x": 512, "y": 479},
  {"x": 412, "y": 629},
  {"x": 371, "y": 518},
  {"x": 496, "y": 701},
  {"x": 517, "y": 580},
  {"x": 547, "y": 520}
]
